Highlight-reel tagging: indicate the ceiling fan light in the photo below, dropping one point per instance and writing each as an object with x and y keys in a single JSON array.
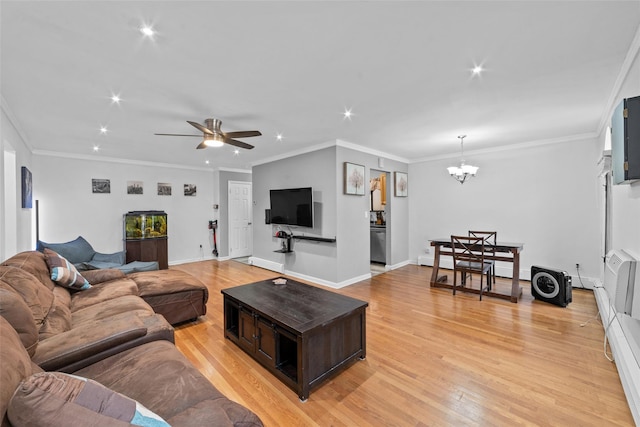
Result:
[{"x": 213, "y": 141}]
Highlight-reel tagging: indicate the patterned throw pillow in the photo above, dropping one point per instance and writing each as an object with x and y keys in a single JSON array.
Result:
[
  {"x": 57, "y": 399},
  {"x": 63, "y": 272}
]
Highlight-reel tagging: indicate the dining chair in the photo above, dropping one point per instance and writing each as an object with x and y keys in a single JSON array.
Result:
[
  {"x": 490, "y": 238},
  {"x": 468, "y": 258}
]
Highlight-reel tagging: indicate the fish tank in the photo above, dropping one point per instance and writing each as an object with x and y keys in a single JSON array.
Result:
[{"x": 145, "y": 225}]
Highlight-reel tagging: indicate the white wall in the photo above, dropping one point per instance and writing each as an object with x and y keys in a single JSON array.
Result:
[
  {"x": 68, "y": 208},
  {"x": 20, "y": 230},
  {"x": 543, "y": 196},
  {"x": 317, "y": 260}
]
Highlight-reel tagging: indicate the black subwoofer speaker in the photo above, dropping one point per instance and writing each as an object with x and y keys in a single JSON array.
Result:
[{"x": 550, "y": 285}]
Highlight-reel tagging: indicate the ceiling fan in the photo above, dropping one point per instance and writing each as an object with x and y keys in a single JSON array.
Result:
[{"x": 214, "y": 137}]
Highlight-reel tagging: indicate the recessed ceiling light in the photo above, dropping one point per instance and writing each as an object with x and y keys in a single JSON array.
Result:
[
  {"x": 236, "y": 152},
  {"x": 103, "y": 130},
  {"x": 206, "y": 161},
  {"x": 115, "y": 99},
  {"x": 96, "y": 148},
  {"x": 347, "y": 113},
  {"x": 477, "y": 70},
  {"x": 279, "y": 137},
  {"x": 147, "y": 31}
]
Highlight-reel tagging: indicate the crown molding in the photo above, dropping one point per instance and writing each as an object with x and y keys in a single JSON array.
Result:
[
  {"x": 225, "y": 169},
  {"x": 377, "y": 153},
  {"x": 336, "y": 143},
  {"x": 118, "y": 160},
  {"x": 510, "y": 147}
]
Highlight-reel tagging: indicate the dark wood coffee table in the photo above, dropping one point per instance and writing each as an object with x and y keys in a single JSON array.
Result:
[{"x": 302, "y": 334}]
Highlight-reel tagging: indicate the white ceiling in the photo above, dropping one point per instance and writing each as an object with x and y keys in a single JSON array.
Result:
[{"x": 403, "y": 68}]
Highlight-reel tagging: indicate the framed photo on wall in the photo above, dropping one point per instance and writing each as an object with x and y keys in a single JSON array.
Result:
[
  {"x": 135, "y": 187},
  {"x": 401, "y": 184},
  {"x": 27, "y": 188},
  {"x": 190, "y": 190},
  {"x": 100, "y": 186},
  {"x": 353, "y": 179},
  {"x": 164, "y": 189}
]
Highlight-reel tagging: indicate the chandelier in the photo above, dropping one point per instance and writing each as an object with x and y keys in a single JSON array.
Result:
[{"x": 462, "y": 172}]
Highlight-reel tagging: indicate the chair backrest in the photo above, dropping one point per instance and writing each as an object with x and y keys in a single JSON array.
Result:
[
  {"x": 467, "y": 248},
  {"x": 489, "y": 237}
]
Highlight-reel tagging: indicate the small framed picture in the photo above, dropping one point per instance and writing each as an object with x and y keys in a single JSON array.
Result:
[
  {"x": 134, "y": 187},
  {"x": 164, "y": 189},
  {"x": 189, "y": 189},
  {"x": 27, "y": 188},
  {"x": 401, "y": 184},
  {"x": 353, "y": 179},
  {"x": 100, "y": 186}
]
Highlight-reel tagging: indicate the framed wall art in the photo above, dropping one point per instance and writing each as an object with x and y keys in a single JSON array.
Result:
[
  {"x": 164, "y": 189},
  {"x": 27, "y": 188},
  {"x": 401, "y": 184},
  {"x": 100, "y": 186},
  {"x": 190, "y": 189},
  {"x": 353, "y": 179},
  {"x": 135, "y": 187}
]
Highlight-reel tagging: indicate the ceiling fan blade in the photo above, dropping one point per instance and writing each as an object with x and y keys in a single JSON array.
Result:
[
  {"x": 174, "y": 134},
  {"x": 201, "y": 145},
  {"x": 242, "y": 134},
  {"x": 238, "y": 143},
  {"x": 200, "y": 127}
]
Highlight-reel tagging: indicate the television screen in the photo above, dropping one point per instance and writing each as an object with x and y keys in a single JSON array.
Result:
[{"x": 292, "y": 206}]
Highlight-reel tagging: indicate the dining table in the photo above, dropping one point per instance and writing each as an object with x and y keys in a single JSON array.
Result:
[{"x": 498, "y": 251}]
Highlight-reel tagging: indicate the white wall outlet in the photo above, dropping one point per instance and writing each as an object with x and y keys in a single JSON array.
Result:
[{"x": 366, "y": 214}]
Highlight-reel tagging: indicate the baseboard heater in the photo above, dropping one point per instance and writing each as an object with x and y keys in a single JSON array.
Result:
[{"x": 620, "y": 313}]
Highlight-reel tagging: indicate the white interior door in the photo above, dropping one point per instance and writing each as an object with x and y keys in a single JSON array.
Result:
[{"x": 240, "y": 216}]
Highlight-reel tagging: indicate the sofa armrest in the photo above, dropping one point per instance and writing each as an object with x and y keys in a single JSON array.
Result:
[
  {"x": 100, "y": 276},
  {"x": 87, "y": 340}
]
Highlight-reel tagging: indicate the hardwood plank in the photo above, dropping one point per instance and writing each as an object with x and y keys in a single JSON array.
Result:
[{"x": 432, "y": 359}]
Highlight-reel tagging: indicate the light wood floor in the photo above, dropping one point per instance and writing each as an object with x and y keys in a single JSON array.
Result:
[{"x": 432, "y": 359}]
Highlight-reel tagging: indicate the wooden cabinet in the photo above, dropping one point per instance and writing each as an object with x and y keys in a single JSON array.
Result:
[
  {"x": 148, "y": 250},
  {"x": 145, "y": 235}
]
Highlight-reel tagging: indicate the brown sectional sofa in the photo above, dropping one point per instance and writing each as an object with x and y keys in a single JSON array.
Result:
[{"x": 109, "y": 334}]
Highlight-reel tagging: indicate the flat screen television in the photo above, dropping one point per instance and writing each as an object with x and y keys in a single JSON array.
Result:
[{"x": 292, "y": 206}]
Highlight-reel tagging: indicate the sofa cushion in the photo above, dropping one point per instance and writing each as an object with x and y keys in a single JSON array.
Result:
[
  {"x": 160, "y": 377},
  {"x": 57, "y": 321},
  {"x": 96, "y": 277},
  {"x": 34, "y": 263},
  {"x": 16, "y": 365},
  {"x": 76, "y": 251},
  {"x": 106, "y": 309},
  {"x": 103, "y": 292},
  {"x": 57, "y": 399},
  {"x": 17, "y": 313},
  {"x": 63, "y": 272},
  {"x": 37, "y": 297}
]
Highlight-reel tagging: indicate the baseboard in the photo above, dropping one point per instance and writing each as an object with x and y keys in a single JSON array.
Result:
[
  {"x": 626, "y": 363},
  {"x": 186, "y": 261},
  {"x": 506, "y": 271},
  {"x": 266, "y": 264}
]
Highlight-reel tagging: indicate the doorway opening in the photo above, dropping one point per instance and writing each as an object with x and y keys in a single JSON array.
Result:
[{"x": 379, "y": 216}]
